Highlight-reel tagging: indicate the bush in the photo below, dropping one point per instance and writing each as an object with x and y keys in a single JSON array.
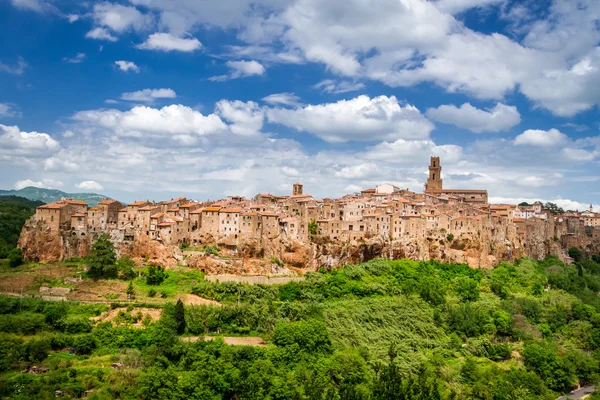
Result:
[
  {"x": 125, "y": 267},
  {"x": 15, "y": 257},
  {"x": 151, "y": 292},
  {"x": 84, "y": 344},
  {"x": 450, "y": 237},
  {"x": 310, "y": 336},
  {"x": 37, "y": 349},
  {"x": 77, "y": 324},
  {"x": 155, "y": 275},
  {"x": 210, "y": 250}
]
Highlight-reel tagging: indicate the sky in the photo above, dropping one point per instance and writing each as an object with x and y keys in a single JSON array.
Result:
[{"x": 152, "y": 99}]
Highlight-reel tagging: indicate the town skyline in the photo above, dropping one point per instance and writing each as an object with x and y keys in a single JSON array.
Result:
[{"x": 153, "y": 99}]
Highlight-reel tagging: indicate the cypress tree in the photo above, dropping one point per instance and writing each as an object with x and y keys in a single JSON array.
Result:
[{"x": 180, "y": 317}]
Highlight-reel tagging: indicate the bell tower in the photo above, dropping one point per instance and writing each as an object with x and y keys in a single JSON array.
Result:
[
  {"x": 297, "y": 189},
  {"x": 434, "y": 182}
]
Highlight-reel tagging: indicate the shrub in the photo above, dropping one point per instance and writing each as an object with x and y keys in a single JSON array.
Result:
[
  {"x": 151, "y": 292},
  {"x": 210, "y": 250},
  {"x": 310, "y": 336},
  {"x": 84, "y": 344},
  {"x": 77, "y": 324},
  {"x": 164, "y": 294},
  {"x": 450, "y": 237},
  {"x": 125, "y": 267},
  {"x": 155, "y": 275},
  {"x": 15, "y": 257},
  {"x": 37, "y": 349}
]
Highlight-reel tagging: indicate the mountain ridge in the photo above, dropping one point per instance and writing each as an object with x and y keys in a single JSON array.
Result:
[{"x": 50, "y": 195}]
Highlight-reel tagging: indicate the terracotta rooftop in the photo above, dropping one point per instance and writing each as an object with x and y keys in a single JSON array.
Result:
[
  {"x": 55, "y": 205},
  {"x": 197, "y": 211},
  {"x": 230, "y": 210},
  {"x": 95, "y": 208},
  {"x": 107, "y": 202},
  {"x": 139, "y": 203},
  {"x": 158, "y": 215},
  {"x": 212, "y": 208},
  {"x": 149, "y": 207},
  {"x": 76, "y": 202},
  {"x": 164, "y": 224},
  {"x": 78, "y": 215}
]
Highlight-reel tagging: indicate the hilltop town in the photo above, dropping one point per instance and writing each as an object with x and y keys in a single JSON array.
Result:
[{"x": 306, "y": 232}]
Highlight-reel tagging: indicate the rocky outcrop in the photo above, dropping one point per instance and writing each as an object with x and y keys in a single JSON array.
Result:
[{"x": 38, "y": 244}]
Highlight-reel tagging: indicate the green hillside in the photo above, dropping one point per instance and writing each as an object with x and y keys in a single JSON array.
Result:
[
  {"x": 401, "y": 329},
  {"x": 51, "y": 195},
  {"x": 14, "y": 211}
]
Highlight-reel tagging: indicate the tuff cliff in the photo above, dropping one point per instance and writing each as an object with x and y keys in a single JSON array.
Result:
[{"x": 273, "y": 256}]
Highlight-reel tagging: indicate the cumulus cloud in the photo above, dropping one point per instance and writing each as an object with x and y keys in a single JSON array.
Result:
[
  {"x": 541, "y": 138},
  {"x": 458, "y": 6},
  {"x": 246, "y": 118},
  {"x": 149, "y": 95},
  {"x": 240, "y": 69},
  {"x": 361, "y": 119},
  {"x": 78, "y": 58},
  {"x": 336, "y": 87},
  {"x": 100, "y": 34},
  {"x": 170, "y": 42},
  {"x": 89, "y": 185},
  {"x": 120, "y": 18},
  {"x": 44, "y": 184},
  {"x": 8, "y": 111},
  {"x": 15, "y": 142},
  {"x": 177, "y": 121},
  {"x": 127, "y": 66},
  {"x": 286, "y": 99},
  {"x": 499, "y": 118}
]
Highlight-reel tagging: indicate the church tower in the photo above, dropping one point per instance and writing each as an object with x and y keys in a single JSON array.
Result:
[
  {"x": 297, "y": 189},
  {"x": 434, "y": 182}
]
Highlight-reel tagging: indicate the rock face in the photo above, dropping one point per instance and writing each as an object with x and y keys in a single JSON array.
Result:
[{"x": 281, "y": 254}]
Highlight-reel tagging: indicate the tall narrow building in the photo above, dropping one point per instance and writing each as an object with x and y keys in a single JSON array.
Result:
[{"x": 434, "y": 182}]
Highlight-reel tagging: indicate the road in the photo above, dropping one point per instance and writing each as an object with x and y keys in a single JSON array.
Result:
[{"x": 579, "y": 393}]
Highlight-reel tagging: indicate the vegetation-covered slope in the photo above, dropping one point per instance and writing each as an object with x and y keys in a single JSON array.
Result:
[
  {"x": 380, "y": 330},
  {"x": 14, "y": 211}
]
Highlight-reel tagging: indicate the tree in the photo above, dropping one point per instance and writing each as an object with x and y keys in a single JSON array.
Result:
[
  {"x": 576, "y": 254},
  {"x": 155, "y": 275},
  {"x": 552, "y": 208},
  {"x": 180, "y": 317},
  {"x": 15, "y": 257},
  {"x": 524, "y": 204},
  {"x": 102, "y": 258},
  {"x": 125, "y": 267},
  {"x": 130, "y": 289}
]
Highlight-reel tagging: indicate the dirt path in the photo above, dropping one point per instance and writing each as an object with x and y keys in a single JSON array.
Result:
[
  {"x": 193, "y": 300},
  {"x": 254, "y": 280},
  {"x": 253, "y": 341}
]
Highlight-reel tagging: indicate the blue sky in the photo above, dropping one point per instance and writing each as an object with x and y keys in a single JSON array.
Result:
[{"x": 157, "y": 98}]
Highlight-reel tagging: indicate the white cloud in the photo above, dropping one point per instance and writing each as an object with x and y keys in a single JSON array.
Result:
[
  {"x": 89, "y": 185},
  {"x": 127, "y": 66},
  {"x": 240, "y": 69},
  {"x": 15, "y": 142},
  {"x": 177, "y": 121},
  {"x": 499, "y": 118},
  {"x": 17, "y": 69},
  {"x": 169, "y": 42},
  {"x": 8, "y": 111},
  {"x": 73, "y": 18},
  {"x": 44, "y": 184},
  {"x": 56, "y": 164},
  {"x": 120, "y": 18},
  {"x": 541, "y": 138},
  {"x": 361, "y": 119},
  {"x": 78, "y": 58},
  {"x": 149, "y": 95},
  {"x": 565, "y": 204},
  {"x": 359, "y": 171},
  {"x": 111, "y": 101},
  {"x": 100, "y": 34},
  {"x": 287, "y": 99},
  {"x": 246, "y": 118},
  {"x": 413, "y": 152},
  {"x": 336, "y": 87},
  {"x": 34, "y": 5},
  {"x": 68, "y": 133},
  {"x": 458, "y": 6}
]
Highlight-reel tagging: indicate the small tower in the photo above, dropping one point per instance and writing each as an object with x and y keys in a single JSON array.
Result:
[
  {"x": 434, "y": 182},
  {"x": 297, "y": 189}
]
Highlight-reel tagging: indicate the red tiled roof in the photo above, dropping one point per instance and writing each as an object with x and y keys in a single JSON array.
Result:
[
  {"x": 230, "y": 210},
  {"x": 107, "y": 202},
  {"x": 55, "y": 205},
  {"x": 212, "y": 208}
]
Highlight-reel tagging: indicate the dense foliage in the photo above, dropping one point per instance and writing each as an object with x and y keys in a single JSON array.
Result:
[
  {"x": 14, "y": 211},
  {"x": 380, "y": 330},
  {"x": 102, "y": 258}
]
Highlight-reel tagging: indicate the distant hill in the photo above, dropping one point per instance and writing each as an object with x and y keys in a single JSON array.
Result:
[{"x": 50, "y": 195}]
